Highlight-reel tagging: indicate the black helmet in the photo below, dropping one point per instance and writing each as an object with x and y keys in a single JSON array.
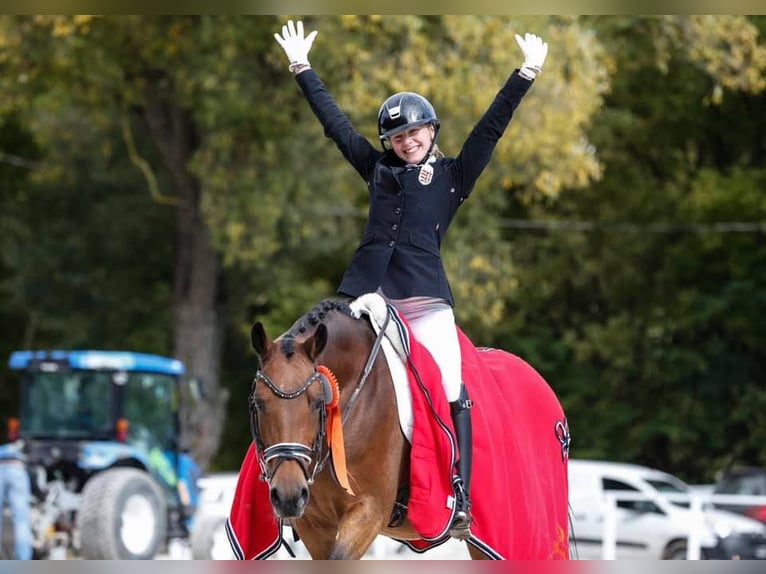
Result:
[{"x": 403, "y": 111}]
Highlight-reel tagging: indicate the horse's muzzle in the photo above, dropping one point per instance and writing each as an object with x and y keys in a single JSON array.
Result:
[{"x": 289, "y": 503}]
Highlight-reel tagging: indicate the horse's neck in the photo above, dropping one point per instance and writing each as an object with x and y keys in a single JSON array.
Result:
[{"x": 348, "y": 348}]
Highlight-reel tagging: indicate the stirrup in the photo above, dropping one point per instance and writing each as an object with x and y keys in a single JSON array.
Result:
[
  {"x": 460, "y": 528},
  {"x": 461, "y": 524}
]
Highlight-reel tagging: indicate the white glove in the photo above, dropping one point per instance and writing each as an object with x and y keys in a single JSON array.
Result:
[
  {"x": 535, "y": 51},
  {"x": 295, "y": 45}
]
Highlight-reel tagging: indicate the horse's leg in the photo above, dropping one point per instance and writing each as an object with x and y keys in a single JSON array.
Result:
[
  {"x": 358, "y": 528},
  {"x": 317, "y": 538}
]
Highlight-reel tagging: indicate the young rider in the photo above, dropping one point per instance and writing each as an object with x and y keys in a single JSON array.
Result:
[{"x": 415, "y": 192}]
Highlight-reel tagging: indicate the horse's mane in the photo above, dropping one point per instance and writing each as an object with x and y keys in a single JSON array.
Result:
[
  {"x": 317, "y": 314},
  {"x": 311, "y": 319}
]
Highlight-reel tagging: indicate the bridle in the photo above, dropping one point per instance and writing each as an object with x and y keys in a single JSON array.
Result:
[
  {"x": 285, "y": 451},
  {"x": 311, "y": 459}
]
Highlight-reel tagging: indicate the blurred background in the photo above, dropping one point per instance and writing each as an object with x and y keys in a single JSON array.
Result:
[{"x": 164, "y": 184}]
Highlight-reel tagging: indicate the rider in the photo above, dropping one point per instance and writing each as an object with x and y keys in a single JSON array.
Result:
[{"x": 415, "y": 192}]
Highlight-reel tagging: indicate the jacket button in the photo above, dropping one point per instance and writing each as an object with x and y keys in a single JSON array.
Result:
[
  {"x": 394, "y": 227},
  {"x": 398, "y": 210},
  {"x": 391, "y": 243}
]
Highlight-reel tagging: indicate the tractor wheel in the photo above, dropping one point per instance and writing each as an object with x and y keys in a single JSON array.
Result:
[{"x": 122, "y": 516}]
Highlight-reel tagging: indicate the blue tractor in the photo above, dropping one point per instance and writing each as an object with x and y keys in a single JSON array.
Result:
[{"x": 101, "y": 435}]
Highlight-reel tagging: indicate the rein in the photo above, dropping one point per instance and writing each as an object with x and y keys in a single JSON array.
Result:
[
  {"x": 300, "y": 453},
  {"x": 368, "y": 365}
]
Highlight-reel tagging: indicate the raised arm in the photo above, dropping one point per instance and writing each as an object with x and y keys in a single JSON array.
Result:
[
  {"x": 480, "y": 144},
  {"x": 337, "y": 126}
]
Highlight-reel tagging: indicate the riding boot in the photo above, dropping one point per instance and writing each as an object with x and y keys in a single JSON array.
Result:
[{"x": 461, "y": 418}]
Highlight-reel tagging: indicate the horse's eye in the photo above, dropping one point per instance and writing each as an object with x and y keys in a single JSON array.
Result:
[{"x": 257, "y": 404}]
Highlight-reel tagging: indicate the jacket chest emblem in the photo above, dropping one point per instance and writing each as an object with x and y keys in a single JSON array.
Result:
[{"x": 426, "y": 174}]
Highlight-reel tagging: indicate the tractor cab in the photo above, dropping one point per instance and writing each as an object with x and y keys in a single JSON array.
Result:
[{"x": 98, "y": 395}]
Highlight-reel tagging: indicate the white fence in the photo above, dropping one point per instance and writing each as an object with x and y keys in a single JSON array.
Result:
[{"x": 697, "y": 503}]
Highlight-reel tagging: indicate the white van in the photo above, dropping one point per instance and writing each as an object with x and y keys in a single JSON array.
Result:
[{"x": 652, "y": 527}]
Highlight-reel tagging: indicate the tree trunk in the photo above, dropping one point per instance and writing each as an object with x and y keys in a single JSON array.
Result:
[
  {"x": 198, "y": 333},
  {"x": 198, "y": 323}
]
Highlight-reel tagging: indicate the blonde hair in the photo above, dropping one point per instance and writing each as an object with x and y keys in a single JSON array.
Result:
[{"x": 436, "y": 152}]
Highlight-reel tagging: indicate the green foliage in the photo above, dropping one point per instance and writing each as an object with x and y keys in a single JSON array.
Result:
[
  {"x": 13, "y": 174},
  {"x": 656, "y": 304}
]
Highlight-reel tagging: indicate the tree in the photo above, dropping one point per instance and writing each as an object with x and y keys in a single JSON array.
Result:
[
  {"x": 644, "y": 316},
  {"x": 146, "y": 86},
  {"x": 14, "y": 168}
]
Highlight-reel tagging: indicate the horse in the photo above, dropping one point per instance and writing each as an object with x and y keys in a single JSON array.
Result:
[{"x": 337, "y": 507}]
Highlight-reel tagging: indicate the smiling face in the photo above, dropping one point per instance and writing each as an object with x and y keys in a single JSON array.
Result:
[{"x": 412, "y": 145}]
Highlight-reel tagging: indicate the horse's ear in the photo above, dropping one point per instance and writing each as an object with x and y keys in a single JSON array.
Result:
[
  {"x": 316, "y": 343},
  {"x": 259, "y": 339}
]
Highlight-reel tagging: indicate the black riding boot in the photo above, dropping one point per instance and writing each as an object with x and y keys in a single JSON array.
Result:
[{"x": 461, "y": 418}]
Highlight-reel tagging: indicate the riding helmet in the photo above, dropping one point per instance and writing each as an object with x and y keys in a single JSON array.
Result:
[{"x": 403, "y": 111}]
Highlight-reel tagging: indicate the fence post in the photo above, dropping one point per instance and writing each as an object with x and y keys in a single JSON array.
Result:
[
  {"x": 693, "y": 551},
  {"x": 609, "y": 539}
]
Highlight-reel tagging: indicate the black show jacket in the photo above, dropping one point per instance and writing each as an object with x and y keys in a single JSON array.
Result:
[{"x": 400, "y": 249}]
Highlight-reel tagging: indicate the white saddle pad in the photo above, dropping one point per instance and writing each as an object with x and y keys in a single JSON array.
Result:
[{"x": 395, "y": 347}]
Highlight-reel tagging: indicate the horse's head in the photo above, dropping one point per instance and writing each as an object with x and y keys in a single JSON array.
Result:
[{"x": 288, "y": 402}]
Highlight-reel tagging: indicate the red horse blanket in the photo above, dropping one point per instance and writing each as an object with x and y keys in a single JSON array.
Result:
[{"x": 520, "y": 453}]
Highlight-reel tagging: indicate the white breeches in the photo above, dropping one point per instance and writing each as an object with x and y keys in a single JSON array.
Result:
[{"x": 432, "y": 322}]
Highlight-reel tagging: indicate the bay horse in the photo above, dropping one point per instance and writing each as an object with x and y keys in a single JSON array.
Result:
[{"x": 336, "y": 507}]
